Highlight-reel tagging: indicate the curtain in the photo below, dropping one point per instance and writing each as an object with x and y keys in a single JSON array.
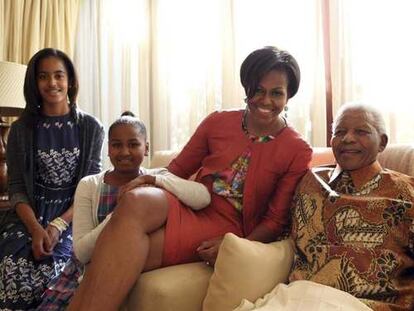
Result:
[
  {"x": 174, "y": 62},
  {"x": 374, "y": 61},
  {"x": 27, "y": 26},
  {"x": 197, "y": 57},
  {"x": 112, "y": 57},
  {"x": 2, "y": 32}
]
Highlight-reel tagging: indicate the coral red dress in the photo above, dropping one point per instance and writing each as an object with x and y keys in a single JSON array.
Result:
[{"x": 275, "y": 166}]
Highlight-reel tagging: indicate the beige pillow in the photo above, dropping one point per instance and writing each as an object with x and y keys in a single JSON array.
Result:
[{"x": 246, "y": 270}]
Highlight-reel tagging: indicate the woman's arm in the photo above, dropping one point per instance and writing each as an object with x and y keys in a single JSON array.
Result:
[
  {"x": 191, "y": 193},
  {"x": 16, "y": 162},
  {"x": 68, "y": 215},
  {"x": 209, "y": 249},
  {"x": 277, "y": 217},
  {"x": 189, "y": 160},
  {"x": 98, "y": 136},
  {"x": 85, "y": 233},
  {"x": 261, "y": 233},
  {"x": 55, "y": 230}
]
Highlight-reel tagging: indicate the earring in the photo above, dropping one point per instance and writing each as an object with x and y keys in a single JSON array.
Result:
[
  {"x": 286, "y": 110},
  {"x": 246, "y": 100}
]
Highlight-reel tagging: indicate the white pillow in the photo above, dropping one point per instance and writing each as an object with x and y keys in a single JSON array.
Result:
[{"x": 305, "y": 295}]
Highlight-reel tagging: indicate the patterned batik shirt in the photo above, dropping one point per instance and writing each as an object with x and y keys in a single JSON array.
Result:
[{"x": 354, "y": 231}]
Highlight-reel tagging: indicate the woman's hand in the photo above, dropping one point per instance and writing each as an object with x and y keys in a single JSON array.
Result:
[
  {"x": 40, "y": 238},
  {"x": 140, "y": 181},
  {"x": 41, "y": 244},
  {"x": 208, "y": 250},
  {"x": 54, "y": 236}
]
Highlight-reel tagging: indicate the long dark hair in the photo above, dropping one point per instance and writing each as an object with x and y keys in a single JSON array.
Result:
[
  {"x": 260, "y": 62},
  {"x": 33, "y": 108}
]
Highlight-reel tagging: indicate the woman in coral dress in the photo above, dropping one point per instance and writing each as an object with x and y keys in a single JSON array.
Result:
[{"x": 249, "y": 159}]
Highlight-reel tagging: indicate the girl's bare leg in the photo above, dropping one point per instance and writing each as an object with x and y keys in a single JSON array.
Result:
[{"x": 122, "y": 250}]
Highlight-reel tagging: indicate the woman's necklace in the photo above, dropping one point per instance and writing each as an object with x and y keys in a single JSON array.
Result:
[{"x": 279, "y": 125}]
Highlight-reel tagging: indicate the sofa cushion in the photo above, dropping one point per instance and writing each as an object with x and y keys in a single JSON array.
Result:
[
  {"x": 180, "y": 287},
  {"x": 246, "y": 269}
]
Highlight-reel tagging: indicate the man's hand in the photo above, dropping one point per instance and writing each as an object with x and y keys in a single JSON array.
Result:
[{"x": 208, "y": 250}]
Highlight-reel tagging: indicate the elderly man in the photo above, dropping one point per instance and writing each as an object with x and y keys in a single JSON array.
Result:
[{"x": 353, "y": 223}]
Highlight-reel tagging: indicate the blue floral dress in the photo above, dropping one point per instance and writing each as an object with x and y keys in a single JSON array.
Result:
[{"x": 22, "y": 279}]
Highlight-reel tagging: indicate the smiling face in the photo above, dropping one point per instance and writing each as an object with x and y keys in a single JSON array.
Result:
[
  {"x": 52, "y": 82},
  {"x": 127, "y": 148},
  {"x": 355, "y": 141},
  {"x": 270, "y": 97}
]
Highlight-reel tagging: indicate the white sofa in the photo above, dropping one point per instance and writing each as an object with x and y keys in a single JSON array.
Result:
[{"x": 184, "y": 287}]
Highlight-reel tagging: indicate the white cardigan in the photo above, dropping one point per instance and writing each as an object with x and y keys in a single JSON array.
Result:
[{"x": 86, "y": 227}]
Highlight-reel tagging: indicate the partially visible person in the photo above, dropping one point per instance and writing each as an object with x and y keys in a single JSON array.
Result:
[
  {"x": 50, "y": 148},
  {"x": 353, "y": 224},
  {"x": 249, "y": 159},
  {"x": 97, "y": 195}
]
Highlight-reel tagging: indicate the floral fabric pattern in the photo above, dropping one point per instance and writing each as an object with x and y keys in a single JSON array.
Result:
[
  {"x": 56, "y": 155},
  {"x": 230, "y": 182}
]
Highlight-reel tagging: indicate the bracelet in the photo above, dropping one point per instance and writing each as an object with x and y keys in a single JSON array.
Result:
[{"x": 60, "y": 224}]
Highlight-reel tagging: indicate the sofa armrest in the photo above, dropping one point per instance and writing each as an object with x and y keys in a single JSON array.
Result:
[
  {"x": 162, "y": 158},
  {"x": 398, "y": 157},
  {"x": 322, "y": 156},
  {"x": 181, "y": 287}
]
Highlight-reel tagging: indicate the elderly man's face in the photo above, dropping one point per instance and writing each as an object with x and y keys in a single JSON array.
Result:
[{"x": 356, "y": 142}]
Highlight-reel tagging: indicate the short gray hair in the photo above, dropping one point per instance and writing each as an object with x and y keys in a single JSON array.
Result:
[{"x": 375, "y": 114}]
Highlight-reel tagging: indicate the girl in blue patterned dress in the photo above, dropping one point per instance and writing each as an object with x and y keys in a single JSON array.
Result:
[{"x": 50, "y": 148}]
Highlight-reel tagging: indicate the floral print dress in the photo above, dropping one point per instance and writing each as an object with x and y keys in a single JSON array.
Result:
[
  {"x": 230, "y": 182},
  {"x": 22, "y": 278}
]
